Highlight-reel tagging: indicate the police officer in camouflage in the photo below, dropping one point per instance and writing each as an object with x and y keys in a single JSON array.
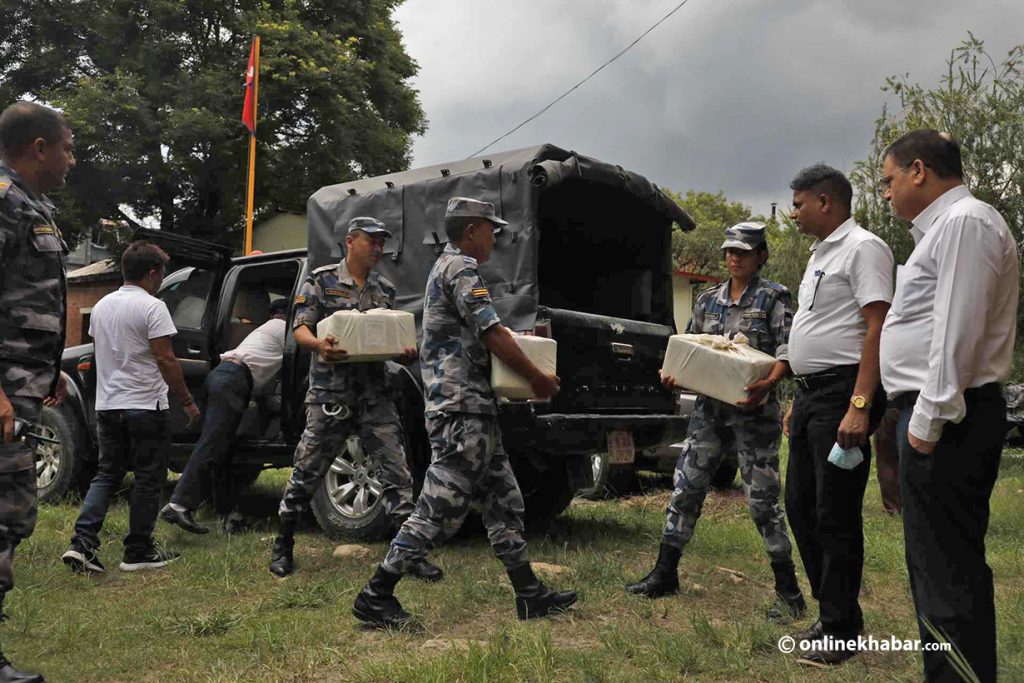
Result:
[
  {"x": 346, "y": 398},
  {"x": 35, "y": 157},
  {"x": 460, "y": 331},
  {"x": 761, "y": 310}
]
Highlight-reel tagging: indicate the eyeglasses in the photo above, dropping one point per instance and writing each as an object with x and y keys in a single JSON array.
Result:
[{"x": 886, "y": 182}]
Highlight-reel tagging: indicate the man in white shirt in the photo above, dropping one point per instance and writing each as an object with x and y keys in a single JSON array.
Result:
[
  {"x": 246, "y": 371},
  {"x": 833, "y": 353},
  {"x": 135, "y": 364},
  {"x": 947, "y": 343}
]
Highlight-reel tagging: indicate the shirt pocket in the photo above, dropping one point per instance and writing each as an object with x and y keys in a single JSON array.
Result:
[{"x": 711, "y": 326}]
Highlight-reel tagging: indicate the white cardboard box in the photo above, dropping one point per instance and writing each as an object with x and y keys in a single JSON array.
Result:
[
  {"x": 508, "y": 383},
  {"x": 378, "y": 334},
  {"x": 715, "y": 366}
]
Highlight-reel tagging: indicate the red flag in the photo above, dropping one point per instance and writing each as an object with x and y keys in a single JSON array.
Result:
[{"x": 249, "y": 108}]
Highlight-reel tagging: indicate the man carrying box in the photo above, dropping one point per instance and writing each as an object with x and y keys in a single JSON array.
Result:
[
  {"x": 343, "y": 398},
  {"x": 761, "y": 311},
  {"x": 460, "y": 328}
]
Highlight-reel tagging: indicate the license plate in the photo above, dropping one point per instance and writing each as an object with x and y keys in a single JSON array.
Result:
[{"x": 620, "y": 447}]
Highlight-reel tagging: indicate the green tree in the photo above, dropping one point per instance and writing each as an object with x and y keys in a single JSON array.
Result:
[
  {"x": 154, "y": 90},
  {"x": 789, "y": 251},
  {"x": 981, "y": 102},
  {"x": 699, "y": 251}
]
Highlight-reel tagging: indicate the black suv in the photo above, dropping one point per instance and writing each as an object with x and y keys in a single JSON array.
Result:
[{"x": 587, "y": 256}]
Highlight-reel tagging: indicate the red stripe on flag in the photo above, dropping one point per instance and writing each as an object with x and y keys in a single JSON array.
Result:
[{"x": 249, "y": 108}]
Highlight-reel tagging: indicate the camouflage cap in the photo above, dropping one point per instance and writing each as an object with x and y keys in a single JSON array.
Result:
[
  {"x": 472, "y": 208},
  {"x": 745, "y": 236},
  {"x": 368, "y": 225}
]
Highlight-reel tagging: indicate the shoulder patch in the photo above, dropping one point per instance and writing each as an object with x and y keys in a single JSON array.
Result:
[
  {"x": 324, "y": 269},
  {"x": 43, "y": 230},
  {"x": 469, "y": 261},
  {"x": 5, "y": 184},
  {"x": 300, "y": 299},
  {"x": 480, "y": 292}
]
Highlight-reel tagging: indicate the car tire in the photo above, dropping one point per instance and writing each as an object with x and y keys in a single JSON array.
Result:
[
  {"x": 349, "y": 502},
  {"x": 59, "y": 467},
  {"x": 599, "y": 477},
  {"x": 546, "y": 493}
]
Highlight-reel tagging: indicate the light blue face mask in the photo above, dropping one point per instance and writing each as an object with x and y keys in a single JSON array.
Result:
[{"x": 847, "y": 459}]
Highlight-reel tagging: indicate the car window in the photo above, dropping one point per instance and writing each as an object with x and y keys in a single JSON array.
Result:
[{"x": 186, "y": 299}]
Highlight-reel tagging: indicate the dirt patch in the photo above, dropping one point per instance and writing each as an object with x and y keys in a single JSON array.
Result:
[{"x": 356, "y": 552}]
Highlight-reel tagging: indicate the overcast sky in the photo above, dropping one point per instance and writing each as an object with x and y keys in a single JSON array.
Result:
[{"x": 731, "y": 95}]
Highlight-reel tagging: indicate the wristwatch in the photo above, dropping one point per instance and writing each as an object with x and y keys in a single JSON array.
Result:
[{"x": 859, "y": 402}]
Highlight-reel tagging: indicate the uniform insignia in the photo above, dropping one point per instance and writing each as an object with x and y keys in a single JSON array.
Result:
[
  {"x": 480, "y": 292},
  {"x": 4, "y": 184},
  {"x": 324, "y": 269},
  {"x": 43, "y": 230},
  {"x": 755, "y": 314},
  {"x": 469, "y": 260},
  {"x": 300, "y": 299},
  {"x": 334, "y": 291},
  {"x": 712, "y": 316}
]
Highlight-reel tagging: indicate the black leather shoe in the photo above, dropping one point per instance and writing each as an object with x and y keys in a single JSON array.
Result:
[
  {"x": 663, "y": 579},
  {"x": 827, "y": 656},
  {"x": 789, "y": 601},
  {"x": 182, "y": 518},
  {"x": 425, "y": 570},
  {"x": 8, "y": 674},
  {"x": 533, "y": 598},
  {"x": 815, "y": 632},
  {"x": 281, "y": 563},
  {"x": 377, "y": 606}
]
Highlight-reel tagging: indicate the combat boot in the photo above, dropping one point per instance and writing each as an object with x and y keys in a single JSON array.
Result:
[
  {"x": 533, "y": 598},
  {"x": 663, "y": 579},
  {"x": 8, "y": 674},
  {"x": 377, "y": 606},
  {"x": 281, "y": 562},
  {"x": 789, "y": 603}
]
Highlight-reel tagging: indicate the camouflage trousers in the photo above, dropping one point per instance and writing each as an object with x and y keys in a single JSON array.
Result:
[
  {"x": 468, "y": 465},
  {"x": 17, "y": 491},
  {"x": 375, "y": 420},
  {"x": 713, "y": 425}
]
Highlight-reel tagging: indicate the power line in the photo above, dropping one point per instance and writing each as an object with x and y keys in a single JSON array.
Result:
[{"x": 592, "y": 74}]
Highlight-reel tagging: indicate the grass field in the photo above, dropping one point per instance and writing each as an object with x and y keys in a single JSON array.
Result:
[{"x": 217, "y": 614}]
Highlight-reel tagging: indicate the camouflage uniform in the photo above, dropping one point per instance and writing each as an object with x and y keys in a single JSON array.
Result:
[
  {"x": 468, "y": 462},
  {"x": 362, "y": 387},
  {"x": 764, "y": 314},
  {"x": 33, "y": 308}
]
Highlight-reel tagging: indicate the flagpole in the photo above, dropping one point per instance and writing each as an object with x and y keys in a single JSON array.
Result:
[{"x": 251, "y": 181}]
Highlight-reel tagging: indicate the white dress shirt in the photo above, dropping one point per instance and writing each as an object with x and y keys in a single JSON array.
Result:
[
  {"x": 848, "y": 270},
  {"x": 263, "y": 352},
  {"x": 953, "y": 319}
]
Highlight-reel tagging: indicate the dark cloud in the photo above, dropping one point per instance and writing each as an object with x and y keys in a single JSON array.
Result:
[{"x": 733, "y": 96}]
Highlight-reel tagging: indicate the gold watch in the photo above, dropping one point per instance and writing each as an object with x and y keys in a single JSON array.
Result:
[{"x": 859, "y": 402}]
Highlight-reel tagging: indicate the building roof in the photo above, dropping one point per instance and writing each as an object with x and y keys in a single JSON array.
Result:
[
  {"x": 106, "y": 269},
  {"x": 697, "y": 276}
]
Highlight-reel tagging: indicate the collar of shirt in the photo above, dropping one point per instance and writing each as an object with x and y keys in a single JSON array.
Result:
[
  {"x": 132, "y": 288},
  {"x": 451, "y": 249},
  {"x": 927, "y": 218},
  {"x": 725, "y": 293},
  {"x": 345, "y": 277},
  {"x": 16, "y": 179},
  {"x": 838, "y": 234}
]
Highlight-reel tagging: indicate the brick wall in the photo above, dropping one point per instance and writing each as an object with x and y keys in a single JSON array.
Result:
[{"x": 84, "y": 295}]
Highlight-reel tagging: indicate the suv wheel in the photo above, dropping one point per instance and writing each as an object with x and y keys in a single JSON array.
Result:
[
  {"x": 57, "y": 464},
  {"x": 349, "y": 502}
]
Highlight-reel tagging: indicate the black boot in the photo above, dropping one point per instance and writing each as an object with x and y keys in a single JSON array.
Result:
[
  {"x": 8, "y": 674},
  {"x": 281, "y": 563},
  {"x": 790, "y": 603},
  {"x": 533, "y": 598},
  {"x": 663, "y": 579},
  {"x": 377, "y": 606},
  {"x": 425, "y": 570}
]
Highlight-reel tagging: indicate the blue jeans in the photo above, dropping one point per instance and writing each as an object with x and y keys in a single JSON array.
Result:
[
  {"x": 128, "y": 439},
  {"x": 208, "y": 471}
]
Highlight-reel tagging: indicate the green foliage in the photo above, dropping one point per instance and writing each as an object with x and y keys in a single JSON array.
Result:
[
  {"x": 789, "y": 251},
  {"x": 981, "y": 102},
  {"x": 699, "y": 251},
  {"x": 154, "y": 91}
]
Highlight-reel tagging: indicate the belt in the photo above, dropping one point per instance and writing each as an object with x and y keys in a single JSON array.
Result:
[
  {"x": 908, "y": 399},
  {"x": 241, "y": 364},
  {"x": 817, "y": 380}
]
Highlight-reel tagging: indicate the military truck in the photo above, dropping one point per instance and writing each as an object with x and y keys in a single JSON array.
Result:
[{"x": 587, "y": 258}]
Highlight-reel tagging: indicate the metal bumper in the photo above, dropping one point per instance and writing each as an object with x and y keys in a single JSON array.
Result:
[{"x": 581, "y": 434}]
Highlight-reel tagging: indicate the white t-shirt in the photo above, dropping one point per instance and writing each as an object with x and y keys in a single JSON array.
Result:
[
  {"x": 262, "y": 351},
  {"x": 121, "y": 325},
  {"x": 848, "y": 270}
]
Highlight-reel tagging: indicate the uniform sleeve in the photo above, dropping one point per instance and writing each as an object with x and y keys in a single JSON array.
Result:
[
  {"x": 159, "y": 322},
  {"x": 473, "y": 301},
  {"x": 308, "y": 305},
  {"x": 870, "y": 272},
  {"x": 696, "y": 322},
  {"x": 780, "y": 322}
]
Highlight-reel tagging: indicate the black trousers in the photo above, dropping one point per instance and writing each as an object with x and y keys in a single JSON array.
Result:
[
  {"x": 945, "y": 518},
  {"x": 208, "y": 470},
  {"x": 824, "y": 502}
]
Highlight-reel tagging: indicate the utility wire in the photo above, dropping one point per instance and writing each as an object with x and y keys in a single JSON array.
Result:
[{"x": 592, "y": 74}]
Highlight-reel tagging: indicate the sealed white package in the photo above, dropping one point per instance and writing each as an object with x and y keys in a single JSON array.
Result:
[
  {"x": 508, "y": 383},
  {"x": 714, "y": 365},
  {"x": 377, "y": 334}
]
